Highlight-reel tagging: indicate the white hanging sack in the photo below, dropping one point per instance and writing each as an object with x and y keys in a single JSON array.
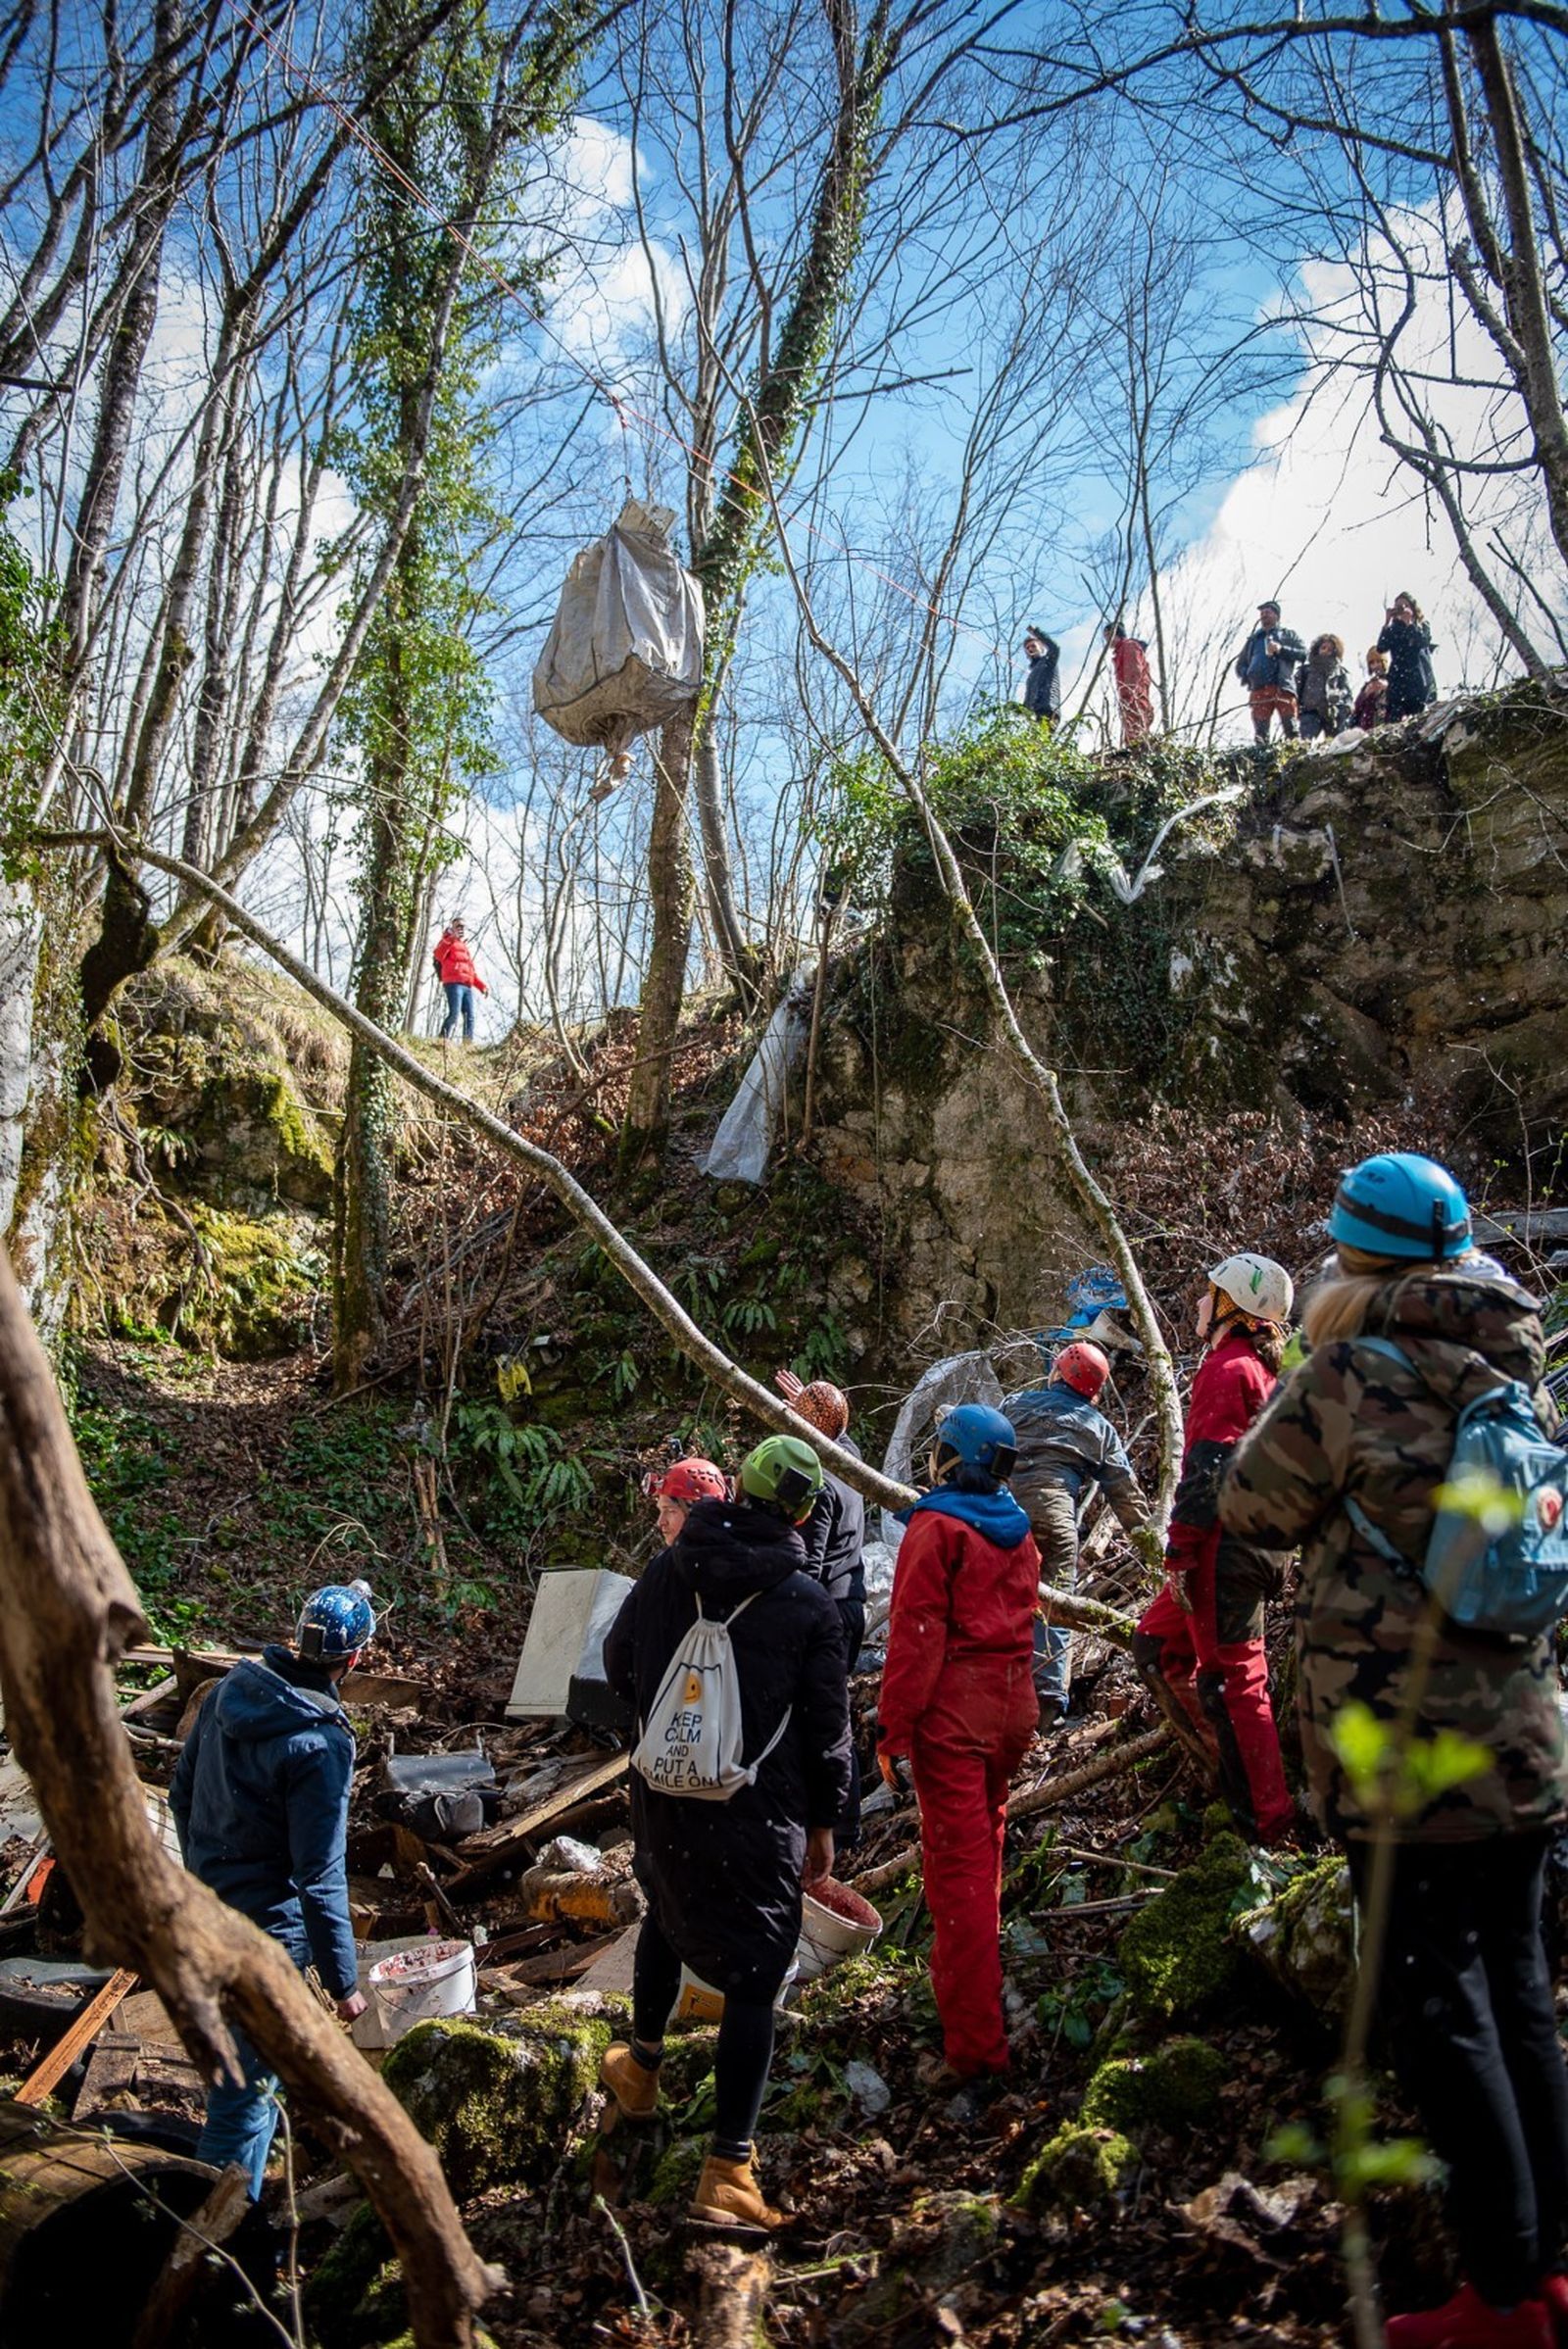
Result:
[
  {"x": 692, "y": 1738},
  {"x": 625, "y": 652}
]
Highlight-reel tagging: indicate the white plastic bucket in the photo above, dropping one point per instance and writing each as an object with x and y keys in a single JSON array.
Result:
[
  {"x": 834, "y": 1928},
  {"x": 366, "y": 2030},
  {"x": 420, "y": 1986},
  {"x": 700, "y": 2002}
]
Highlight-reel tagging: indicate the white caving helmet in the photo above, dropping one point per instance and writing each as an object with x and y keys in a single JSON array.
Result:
[{"x": 1256, "y": 1285}]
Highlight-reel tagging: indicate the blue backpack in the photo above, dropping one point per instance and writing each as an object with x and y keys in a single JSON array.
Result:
[{"x": 1512, "y": 1583}]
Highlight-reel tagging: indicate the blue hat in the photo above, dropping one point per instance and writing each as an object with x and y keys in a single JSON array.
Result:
[
  {"x": 335, "y": 1621},
  {"x": 982, "y": 1439},
  {"x": 1401, "y": 1205}
]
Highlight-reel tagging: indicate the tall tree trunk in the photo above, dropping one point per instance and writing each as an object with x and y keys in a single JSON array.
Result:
[
  {"x": 670, "y": 895},
  {"x": 779, "y": 407},
  {"x": 1524, "y": 333}
]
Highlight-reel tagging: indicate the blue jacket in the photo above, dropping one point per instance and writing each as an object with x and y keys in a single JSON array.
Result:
[
  {"x": 1257, "y": 667},
  {"x": 261, "y": 1799},
  {"x": 1064, "y": 1442}
]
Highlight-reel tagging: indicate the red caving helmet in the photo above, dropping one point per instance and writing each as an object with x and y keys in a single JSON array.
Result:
[
  {"x": 1082, "y": 1367},
  {"x": 688, "y": 1480}
]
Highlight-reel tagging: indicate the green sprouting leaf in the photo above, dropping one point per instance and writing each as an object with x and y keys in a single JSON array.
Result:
[
  {"x": 1293, "y": 2142},
  {"x": 1384, "y": 2162},
  {"x": 1478, "y": 1496},
  {"x": 1363, "y": 1745},
  {"x": 1434, "y": 1764}
]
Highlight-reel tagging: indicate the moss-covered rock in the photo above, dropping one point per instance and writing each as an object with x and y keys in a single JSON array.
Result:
[
  {"x": 349, "y": 2295},
  {"x": 676, "y": 2171},
  {"x": 1171, "y": 2088},
  {"x": 1177, "y": 1956},
  {"x": 1305, "y": 1938},
  {"x": 1078, "y": 2168},
  {"x": 497, "y": 2105}
]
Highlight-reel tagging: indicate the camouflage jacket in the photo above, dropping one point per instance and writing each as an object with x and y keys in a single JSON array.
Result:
[{"x": 1349, "y": 1419}]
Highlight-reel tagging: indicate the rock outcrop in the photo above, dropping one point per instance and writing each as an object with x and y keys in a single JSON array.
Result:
[{"x": 1371, "y": 930}]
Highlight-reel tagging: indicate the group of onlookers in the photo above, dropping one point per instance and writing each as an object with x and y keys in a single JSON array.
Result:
[{"x": 1308, "y": 688}]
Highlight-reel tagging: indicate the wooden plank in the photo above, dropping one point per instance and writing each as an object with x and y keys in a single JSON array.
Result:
[
  {"x": 484, "y": 1854},
  {"x": 553, "y": 1965},
  {"x": 150, "y": 1699},
  {"x": 46, "y": 2076}
]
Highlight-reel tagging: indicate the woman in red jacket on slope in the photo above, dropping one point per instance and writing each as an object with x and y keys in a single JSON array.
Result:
[
  {"x": 454, "y": 967},
  {"x": 958, "y": 1700}
]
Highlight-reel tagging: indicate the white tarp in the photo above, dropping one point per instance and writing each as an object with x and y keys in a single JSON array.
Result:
[
  {"x": 955, "y": 1379},
  {"x": 625, "y": 652},
  {"x": 739, "y": 1151}
]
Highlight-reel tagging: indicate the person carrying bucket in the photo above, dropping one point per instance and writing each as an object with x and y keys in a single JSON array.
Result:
[
  {"x": 260, "y": 1803},
  {"x": 958, "y": 1702},
  {"x": 732, "y": 1659}
]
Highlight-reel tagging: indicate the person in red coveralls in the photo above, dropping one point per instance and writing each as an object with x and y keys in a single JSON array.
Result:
[
  {"x": 958, "y": 1701},
  {"x": 1208, "y": 1619},
  {"x": 1135, "y": 695},
  {"x": 454, "y": 967}
]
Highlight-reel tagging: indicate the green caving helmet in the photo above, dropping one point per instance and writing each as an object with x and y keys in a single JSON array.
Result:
[{"x": 784, "y": 1474}]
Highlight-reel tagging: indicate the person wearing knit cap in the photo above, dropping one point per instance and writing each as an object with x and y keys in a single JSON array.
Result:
[{"x": 835, "y": 1538}]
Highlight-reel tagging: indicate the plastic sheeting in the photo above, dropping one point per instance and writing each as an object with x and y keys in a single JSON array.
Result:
[
  {"x": 625, "y": 652},
  {"x": 955, "y": 1379},
  {"x": 739, "y": 1151}
]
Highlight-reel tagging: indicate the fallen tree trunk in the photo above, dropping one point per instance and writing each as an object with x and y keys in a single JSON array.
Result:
[
  {"x": 68, "y": 1612},
  {"x": 1086, "y": 1615},
  {"x": 639, "y": 1276},
  {"x": 1034, "y": 1800}
]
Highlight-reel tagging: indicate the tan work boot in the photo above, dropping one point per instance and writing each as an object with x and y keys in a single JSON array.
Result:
[
  {"x": 728, "y": 2196},
  {"x": 633, "y": 2087}
]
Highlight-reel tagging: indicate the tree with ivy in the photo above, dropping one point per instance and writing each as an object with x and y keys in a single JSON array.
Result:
[
  {"x": 32, "y": 701},
  {"x": 416, "y": 715},
  {"x": 726, "y": 507}
]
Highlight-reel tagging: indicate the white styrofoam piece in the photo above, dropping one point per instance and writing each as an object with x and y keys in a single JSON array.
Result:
[{"x": 574, "y": 1609}]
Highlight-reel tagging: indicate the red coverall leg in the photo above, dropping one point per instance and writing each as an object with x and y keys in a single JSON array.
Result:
[
  {"x": 966, "y": 1749},
  {"x": 1228, "y": 1700}
]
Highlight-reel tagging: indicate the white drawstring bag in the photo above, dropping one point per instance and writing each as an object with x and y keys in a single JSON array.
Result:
[
  {"x": 625, "y": 652},
  {"x": 692, "y": 1740}
]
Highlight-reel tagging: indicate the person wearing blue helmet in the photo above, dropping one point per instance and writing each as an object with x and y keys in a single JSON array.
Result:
[
  {"x": 958, "y": 1702},
  {"x": 261, "y": 1800},
  {"x": 1409, "y": 1328}
]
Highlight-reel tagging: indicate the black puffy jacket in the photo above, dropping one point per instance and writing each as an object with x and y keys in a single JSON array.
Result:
[
  {"x": 723, "y": 1879},
  {"x": 834, "y": 1536}
]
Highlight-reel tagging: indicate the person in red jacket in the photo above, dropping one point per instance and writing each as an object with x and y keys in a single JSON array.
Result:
[
  {"x": 958, "y": 1701},
  {"x": 454, "y": 967},
  {"x": 1135, "y": 693},
  {"x": 1208, "y": 1619}
]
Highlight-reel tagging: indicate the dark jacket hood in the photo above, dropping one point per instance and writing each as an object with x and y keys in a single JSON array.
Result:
[
  {"x": 275, "y": 1697},
  {"x": 729, "y": 1549},
  {"x": 995, "y": 1516},
  {"x": 1445, "y": 1320}
]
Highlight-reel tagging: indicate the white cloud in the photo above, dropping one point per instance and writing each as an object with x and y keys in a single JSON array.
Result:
[{"x": 1327, "y": 518}]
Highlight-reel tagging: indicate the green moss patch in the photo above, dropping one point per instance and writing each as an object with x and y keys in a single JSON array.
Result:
[
  {"x": 1077, "y": 2169},
  {"x": 1177, "y": 1956},
  {"x": 497, "y": 2107},
  {"x": 1173, "y": 2087}
]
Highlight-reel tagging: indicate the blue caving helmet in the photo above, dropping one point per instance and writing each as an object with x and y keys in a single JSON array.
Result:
[
  {"x": 334, "y": 1621},
  {"x": 1401, "y": 1205},
  {"x": 980, "y": 1438}
]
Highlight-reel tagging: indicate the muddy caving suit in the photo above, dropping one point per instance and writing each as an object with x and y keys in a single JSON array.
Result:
[
  {"x": 958, "y": 1699},
  {"x": 1064, "y": 1443},
  {"x": 1227, "y": 1580}
]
